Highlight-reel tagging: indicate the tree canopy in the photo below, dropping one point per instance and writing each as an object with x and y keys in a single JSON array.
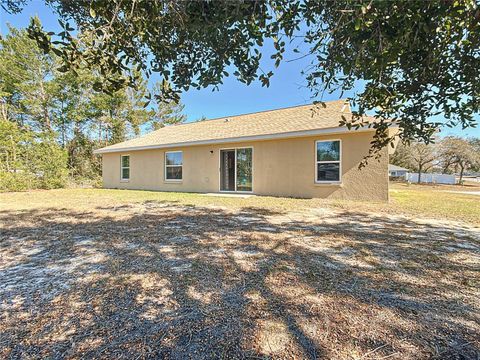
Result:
[
  {"x": 417, "y": 59},
  {"x": 51, "y": 121},
  {"x": 416, "y": 156},
  {"x": 458, "y": 155},
  {"x": 449, "y": 155}
]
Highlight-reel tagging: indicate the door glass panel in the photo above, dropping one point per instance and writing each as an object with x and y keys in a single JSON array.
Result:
[
  {"x": 244, "y": 169},
  {"x": 227, "y": 170}
]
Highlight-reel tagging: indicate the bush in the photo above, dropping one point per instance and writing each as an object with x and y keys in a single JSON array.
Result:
[
  {"x": 19, "y": 181},
  {"x": 29, "y": 160},
  {"x": 49, "y": 164},
  {"x": 84, "y": 165},
  {"x": 85, "y": 182}
]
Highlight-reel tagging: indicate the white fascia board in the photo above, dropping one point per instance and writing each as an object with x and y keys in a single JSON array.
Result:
[{"x": 286, "y": 135}]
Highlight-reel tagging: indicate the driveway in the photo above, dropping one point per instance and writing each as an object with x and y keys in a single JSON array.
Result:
[{"x": 159, "y": 279}]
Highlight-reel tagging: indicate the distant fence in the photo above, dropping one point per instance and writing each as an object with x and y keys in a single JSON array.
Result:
[
  {"x": 431, "y": 178},
  {"x": 472, "y": 178}
]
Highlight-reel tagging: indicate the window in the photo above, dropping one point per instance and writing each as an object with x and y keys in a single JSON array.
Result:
[
  {"x": 125, "y": 167},
  {"x": 328, "y": 155},
  {"x": 173, "y": 165}
]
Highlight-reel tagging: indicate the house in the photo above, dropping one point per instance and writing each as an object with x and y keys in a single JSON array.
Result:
[
  {"x": 397, "y": 171},
  {"x": 298, "y": 151}
]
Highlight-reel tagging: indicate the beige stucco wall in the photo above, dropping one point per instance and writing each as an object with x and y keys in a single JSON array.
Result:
[{"x": 280, "y": 168}]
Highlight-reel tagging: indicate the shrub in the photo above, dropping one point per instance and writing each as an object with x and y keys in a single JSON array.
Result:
[
  {"x": 19, "y": 181},
  {"x": 49, "y": 163},
  {"x": 29, "y": 160}
]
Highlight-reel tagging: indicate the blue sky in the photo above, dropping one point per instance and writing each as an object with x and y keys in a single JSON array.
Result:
[{"x": 287, "y": 86}]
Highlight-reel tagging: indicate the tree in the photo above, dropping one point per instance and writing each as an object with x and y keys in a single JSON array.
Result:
[
  {"x": 459, "y": 154},
  {"x": 475, "y": 143},
  {"x": 40, "y": 107},
  {"x": 166, "y": 113},
  {"x": 29, "y": 159},
  {"x": 47, "y": 161},
  {"x": 119, "y": 115},
  {"x": 26, "y": 80},
  {"x": 82, "y": 162},
  {"x": 417, "y": 156},
  {"x": 417, "y": 59},
  {"x": 72, "y": 103},
  {"x": 10, "y": 136}
]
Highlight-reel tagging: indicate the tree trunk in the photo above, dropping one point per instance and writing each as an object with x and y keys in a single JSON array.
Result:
[
  {"x": 461, "y": 172},
  {"x": 14, "y": 147},
  {"x": 63, "y": 127},
  {"x": 3, "y": 110},
  {"x": 419, "y": 173},
  {"x": 446, "y": 167},
  {"x": 63, "y": 132},
  {"x": 99, "y": 135},
  {"x": 46, "y": 116}
]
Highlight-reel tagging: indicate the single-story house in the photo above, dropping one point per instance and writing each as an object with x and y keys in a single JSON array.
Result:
[
  {"x": 298, "y": 151},
  {"x": 397, "y": 171}
]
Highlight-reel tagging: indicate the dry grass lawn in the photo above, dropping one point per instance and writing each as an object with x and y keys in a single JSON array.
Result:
[{"x": 135, "y": 274}]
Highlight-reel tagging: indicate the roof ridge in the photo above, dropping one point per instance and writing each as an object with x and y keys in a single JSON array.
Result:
[{"x": 251, "y": 113}]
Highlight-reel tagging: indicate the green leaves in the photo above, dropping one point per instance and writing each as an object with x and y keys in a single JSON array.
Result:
[
  {"x": 415, "y": 58},
  {"x": 29, "y": 159},
  {"x": 358, "y": 24}
]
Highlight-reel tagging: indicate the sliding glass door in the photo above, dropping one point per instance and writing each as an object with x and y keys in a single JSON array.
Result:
[
  {"x": 236, "y": 170},
  {"x": 227, "y": 170}
]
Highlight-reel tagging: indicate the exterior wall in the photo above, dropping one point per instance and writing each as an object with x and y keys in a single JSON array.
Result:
[
  {"x": 283, "y": 167},
  {"x": 398, "y": 173}
]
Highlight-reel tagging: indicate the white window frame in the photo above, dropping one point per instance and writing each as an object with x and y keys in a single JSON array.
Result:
[
  {"x": 220, "y": 169},
  {"x": 125, "y": 167},
  {"x": 167, "y": 166},
  {"x": 339, "y": 181}
]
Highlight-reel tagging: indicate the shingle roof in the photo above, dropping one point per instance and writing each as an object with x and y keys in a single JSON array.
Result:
[{"x": 264, "y": 123}]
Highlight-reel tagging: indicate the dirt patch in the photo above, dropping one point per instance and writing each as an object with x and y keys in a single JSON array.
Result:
[
  {"x": 173, "y": 281},
  {"x": 273, "y": 337}
]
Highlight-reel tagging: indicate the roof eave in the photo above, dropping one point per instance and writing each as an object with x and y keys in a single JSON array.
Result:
[{"x": 286, "y": 135}]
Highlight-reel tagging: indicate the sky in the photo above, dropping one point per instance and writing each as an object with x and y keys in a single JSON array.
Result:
[{"x": 287, "y": 87}]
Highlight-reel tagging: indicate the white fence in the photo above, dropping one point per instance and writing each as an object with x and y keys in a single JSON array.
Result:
[
  {"x": 472, "y": 178},
  {"x": 431, "y": 178}
]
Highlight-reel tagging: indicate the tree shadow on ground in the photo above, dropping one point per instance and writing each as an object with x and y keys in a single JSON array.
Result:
[{"x": 160, "y": 279}]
